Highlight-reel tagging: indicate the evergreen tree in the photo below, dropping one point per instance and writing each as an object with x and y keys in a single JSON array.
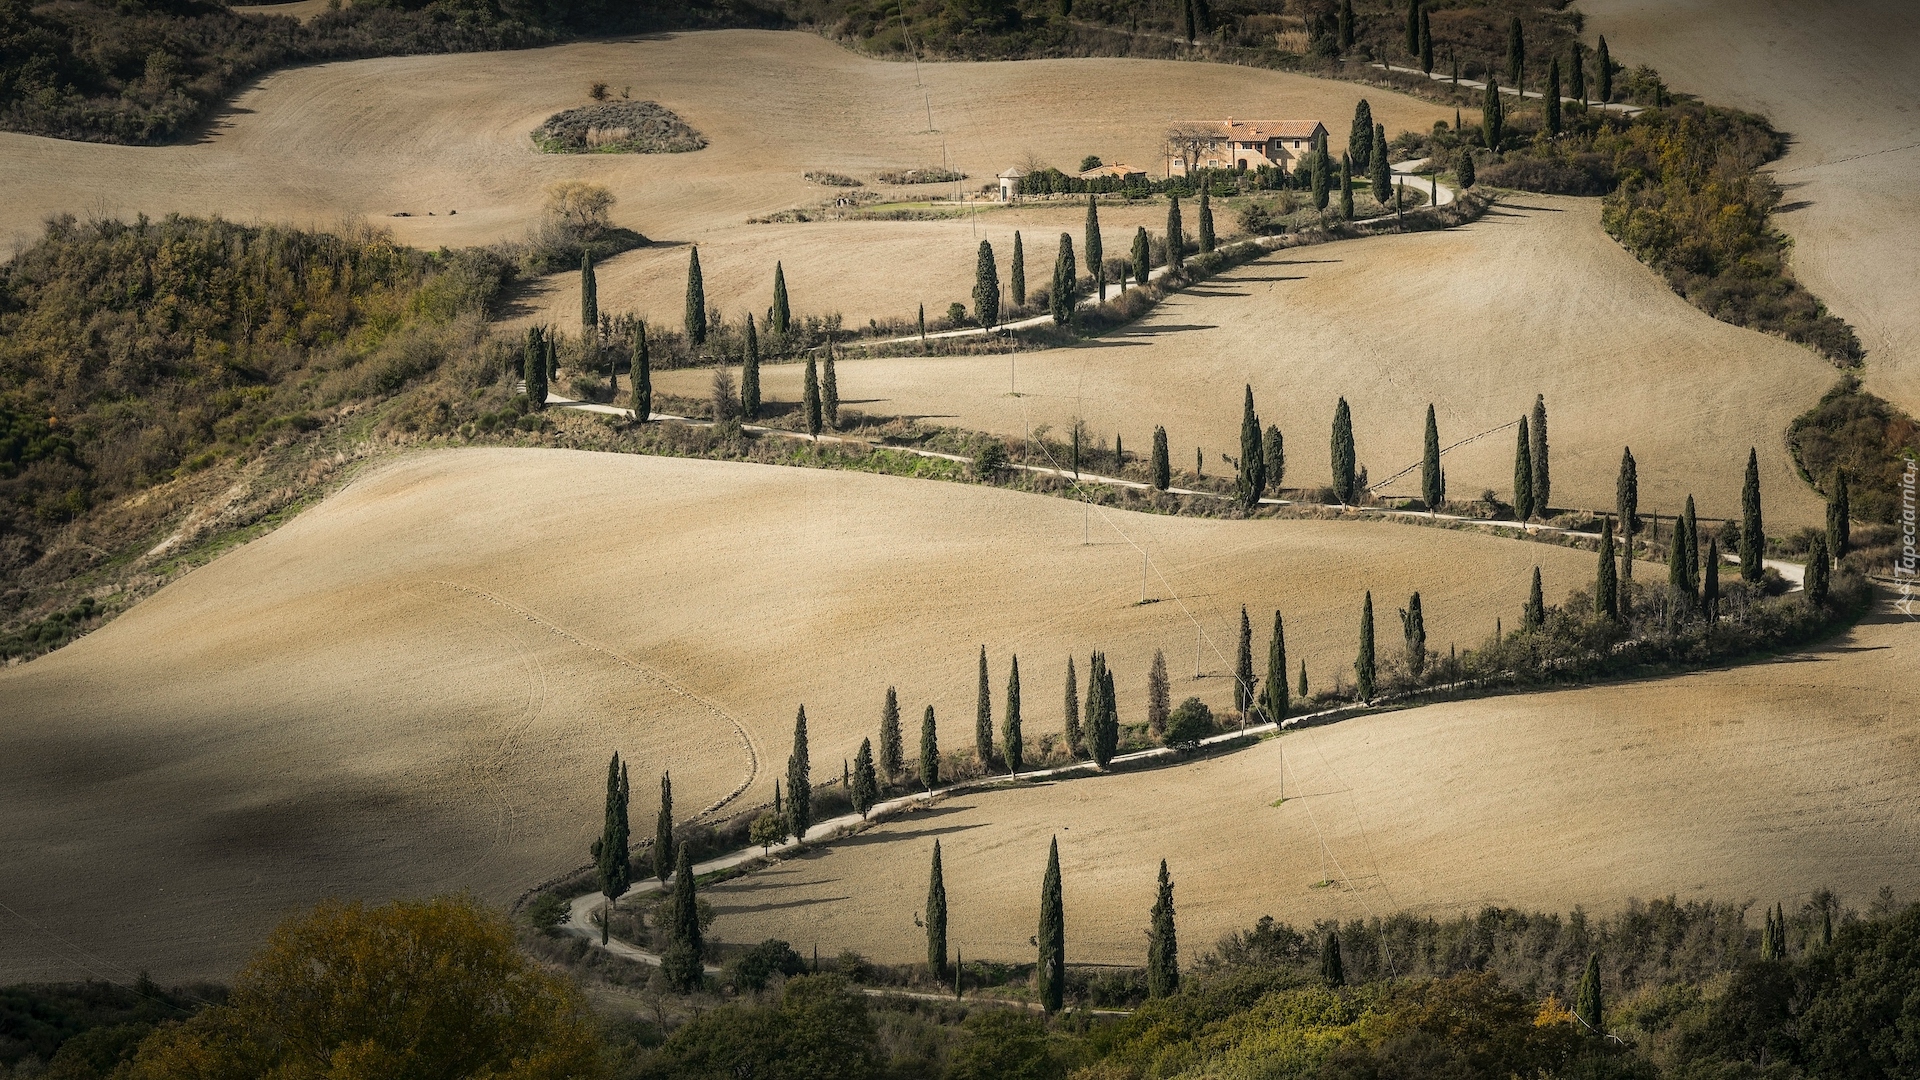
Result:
[
  {"x": 1251, "y": 482},
  {"x": 1464, "y": 170},
  {"x": 1193, "y": 31},
  {"x": 1162, "y": 468},
  {"x": 1588, "y": 1005},
  {"x": 1516, "y": 54},
  {"x": 1839, "y": 516},
  {"x": 1075, "y": 737},
  {"x": 1320, "y": 178},
  {"x": 1273, "y": 696},
  {"x": 1206, "y": 220},
  {"x": 1432, "y": 492},
  {"x": 1332, "y": 972},
  {"x": 1542, "y": 478},
  {"x": 1553, "y": 98},
  {"x": 1066, "y": 280},
  {"x": 810, "y": 397},
  {"x": 1345, "y": 27},
  {"x": 611, "y": 852},
  {"x": 1692, "y": 561},
  {"x": 1710, "y": 582},
  {"x": 1412, "y": 41},
  {"x": 1344, "y": 481},
  {"x": 986, "y": 288},
  {"x": 681, "y": 963},
  {"x": 782, "y": 318},
  {"x": 1379, "y": 173},
  {"x": 1753, "y": 534},
  {"x": 1163, "y": 948},
  {"x": 663, "y": 842},
  {"x": 936, "y": 918},
  {"x": 1493, "y": 115},
  {"x": 1606, "y": 582},
  {"x": 750, "y": 374},
  {"x": 1679, "y": 597},
  {"x": 1817, "y": 570},
  {"x": 983, "y": 717},
  {"x": 799, "y": 781},
  {"x": 923, "y": 326},
  {"x": 1576, "y": 75},
  {"x": 1426, "y": 43},
  {"x": 1360, "y": 136},
  {"x": 537, "y": 348},
  {"x": 866, "y": 785},
  {"x": 1106, "y": 737},
  {"x": 1346, "y": 189},
  {"x": 1051, "y": 972},
  {"x": 642, "y": 402},
  {"x": 1176, "y": 236},
  {"x": 1536, "y": 612},
  {"x": 1301, "y": 690},
  {"x": 1243, "y": 683},
  {"x": 696, "y": 314},
  {"x": 589, "y": 301},
  {"x": 1142, "y": 257},
  {"x": 1769, "y": 947},
  {"x": 1273, "y": 450},
  {"x": 553, "y": 357},
  {"x": 1096, "y": 251},
  {"x": 1523, "y": 475},
  {"x": 1626, "y": 503},
  {"x": 830, "y": 392},
  {"x": 1012, "y": 742},
  {"x": 892, "y": 750},
  {"x": 1603, "y": 72},
  {"x": 1413, "y": 628},
  {"x": 1159, "y": 695},
  {"x": 1363, "y": 663},
  {"x": 1017, "y": 276},
  {"x": 929, "y": 752}
]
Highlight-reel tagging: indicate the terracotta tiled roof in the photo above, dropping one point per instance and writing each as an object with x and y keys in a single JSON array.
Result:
[
  {"x": 1115, "y": 169},
  {"x": 1261, "y": 130}
]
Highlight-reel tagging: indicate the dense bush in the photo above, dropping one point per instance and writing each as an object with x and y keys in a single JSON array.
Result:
[{"x": 1853, "y": 430}]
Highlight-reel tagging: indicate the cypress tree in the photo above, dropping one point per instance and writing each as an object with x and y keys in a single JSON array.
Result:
[
  {"x": 610, "y": 852},
  {"x": 1413, "y": 628},
  {"x": 1163, "y": 948},
  {"x": 892, "y": 750},
  {"x": 1162, "y": 468},
  {"x": 537, "y": 348},
  {"x": 1343, "y": 454},
  {"x": 799, "y": 781},
  {"x": 1826, "y": 925},
  {"x": 1677, "y": 572},
  {"x": 779, "y": 808},
  {"x": 589, "y": 301},
  {"x": 1142, "y": 257},
  {"x": 1193, "y": 32},
  {"x": 1251, "y": 482},
  {"x": 936, "y": 918},
  {"x": 1412, "y": 41},
  {"x": 810, "y": 390},
  {"x": 1159, "y": 695},
  {"x": 1603, "y": 71},
  {"x": 1516, "y": 54},
  {"x": 1243, "y": 684},
  {"x": 1493, "y": 115},
  {"x": 1103, "y": 712},
  {"x": 1346, "y": 189},
  {"x": 1379, "y": 173},
  {"x": 1710, "y": 582},
  {"x": 663, "y": 842},
  {"x": 1363, "y": 663},
  {"x": 1606, "y": 582},
  {"x": 682, "y": 962},
  {"x": 1332, "y": 971},
  {"x": 1096, "y": 251},
  {"x": 642, "y": 402},
  {"x": 1589, "y": 1005},
  {"x": 1360, "y": 135},
  {"x": 1576, "y": 75},
  {"x": 929, "y": 752},
  {"x": 830, "y": 392},
  {"x": 1817, "y": 568},
  {"x": 1523, "y": 475},
  {"x": 866, "y": 785},
  {"x": 1176, "y": 237},
  {"x": 696, "y": 313},
  {"x": 1536, "y": 613},
  {"x": 1075, "y": 738},
  {"x": 1273, "y": 450},
  {"x": 1302, "y": 689},
  {"x": 923, "y": 326},
  {"x": 1066, "y": 280},
  {"x": 1626, "y": 503},
  {"x": 1839, "y": 516},
  {"x": 983, "y": 717},
  {"x": 1553, "y": 98},
  {"x": 1426, "y": 43},
  {"x": 1692, "y": 563},
  {"x": 1095, "y": 710},
  {"x": 782, "y": 318},
  {"x": 553, "y": 357},
  {"x": 1769, "y": 950},
  {"x": 750, "y": 374},
  {"x": 1345, "y": 26},
  {"x": 1052, "y": 969},
  {"x": 1273, "y": 697},
  {"x": 1542, "y": 478},
  {"x": 1753, "y": 535},
  {"x": 1464, "y": 170},
  {"x": 1206, "y": 220},
  {"x": 986, "y": 288},
  {"x": 1321, "y": 179},
  {"x": 1017, "y": 276},
  {"x": 1432, "y": 492},
  {"x": 1012, "y": 742}
]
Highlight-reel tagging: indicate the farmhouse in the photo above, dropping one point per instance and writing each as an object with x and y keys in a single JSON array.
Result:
[
  {"x": 1126, "y": 174},
  {"x": 1239, "y": 144}
]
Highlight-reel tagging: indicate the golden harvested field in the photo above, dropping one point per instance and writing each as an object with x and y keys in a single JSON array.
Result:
[
  {"x": 435, "y": 134},
  {"x": 1533, "y": 298},
  {"x": 1758, "y": 783},
  {"x": 413, "y": 687},
  {"x": 1843, "y": 80}
]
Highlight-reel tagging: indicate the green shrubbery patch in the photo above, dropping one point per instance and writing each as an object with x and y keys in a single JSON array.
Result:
[{"x": 618, "y": 127}]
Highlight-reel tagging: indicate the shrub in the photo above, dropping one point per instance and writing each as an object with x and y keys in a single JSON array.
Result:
[
  {"x": 617, "y": 127},
  {"x": 756, "y": 967},
  {"x": 931, "y": 174},
  {"x": 1190, "y": 722},
  {"x": 548, "y": 911},
  {"x": 833, "y": 179}
]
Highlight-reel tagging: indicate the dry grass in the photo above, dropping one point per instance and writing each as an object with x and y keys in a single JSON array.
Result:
[
  {"x": 1534, "y": 298},
  {"x": 1843, "y": 85},
  {"x": 339, "y": 709}
]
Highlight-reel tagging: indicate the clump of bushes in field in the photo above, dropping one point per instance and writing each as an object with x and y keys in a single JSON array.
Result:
[
  {"x": 930, "y": 174},
  {"x": 832, "y": 179},
  {"x": 618, "y": 127}
]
